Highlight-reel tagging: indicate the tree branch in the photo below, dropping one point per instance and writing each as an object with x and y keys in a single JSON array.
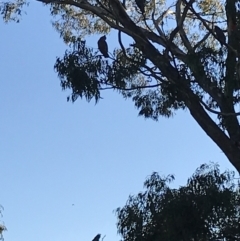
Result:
[
  {"x": 180, "y": 20},
  {"x": 132, "y": 88},
  {"x": 201, "y": 41},
  {"x": 218, "y": 112},
  {"x": 212, "y": 130}
]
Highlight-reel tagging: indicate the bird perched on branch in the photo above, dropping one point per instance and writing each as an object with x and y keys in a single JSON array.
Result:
[
  {"x": 97, "y": 238},
  {"x": 141, "y": 5},
  {"x": 220, "y": 35},
  {"x": 103, "y": 47}
]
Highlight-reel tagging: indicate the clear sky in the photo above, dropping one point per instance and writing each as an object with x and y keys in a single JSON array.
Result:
[{"x": 55, "y": 153}]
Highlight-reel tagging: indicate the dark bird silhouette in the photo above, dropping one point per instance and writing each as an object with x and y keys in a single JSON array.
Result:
[
  {"x": 141, "y": 5},
  {"x": 220, "y": 35},
  {"x": 103, "y": 47},
  {"x": 97, "y": 238}
]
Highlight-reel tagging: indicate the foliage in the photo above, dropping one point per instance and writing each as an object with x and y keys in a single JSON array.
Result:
[
  {"x": 2, "y": 226},
  {"x": 175, "y": 60},
  {"x": 85, "y": 73},
  {"x": 12, "y": 11},
  {"x": 206, "y": 208}
]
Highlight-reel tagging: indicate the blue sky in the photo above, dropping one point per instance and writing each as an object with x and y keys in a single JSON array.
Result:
[{"x": 55, "y": 154}]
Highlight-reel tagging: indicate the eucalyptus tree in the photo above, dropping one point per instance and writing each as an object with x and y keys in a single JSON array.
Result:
[
  {"x": 206, "y": 208},
  {"x": 181, "y": 55}
]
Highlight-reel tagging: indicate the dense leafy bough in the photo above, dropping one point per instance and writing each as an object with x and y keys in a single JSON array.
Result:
[{"x": 206, "y": 208}]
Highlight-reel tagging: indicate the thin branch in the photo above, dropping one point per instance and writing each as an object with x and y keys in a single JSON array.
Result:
[
  {"x": 218, "y": 112},
  {"x": 160, "y": 18},
  {"x": 180, "y": 20},
  {"x": 154, "y": 20},
  {"x": 121, "y": 44},
  {"x": 131, "y": 60},
  {"x": 132, "y": 88},
  {"x": 103, "y": 6},
  {"x": 202, "y": 41},
  {"x": 83, "y": 4},
  {"x": 161, "y": 41}
]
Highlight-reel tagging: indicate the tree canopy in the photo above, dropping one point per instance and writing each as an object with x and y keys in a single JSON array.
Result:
[
  {"x": 206, "y": 208},
  {"x": 183, "y": 55}
]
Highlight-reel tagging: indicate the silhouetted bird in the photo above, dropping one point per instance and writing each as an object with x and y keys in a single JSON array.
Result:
[
  {"x": 141, "y": 5},
  {"x": 220, "y": 35},
  {"x": 103, "y": 47},
  {"x": 97, "y": 238}
]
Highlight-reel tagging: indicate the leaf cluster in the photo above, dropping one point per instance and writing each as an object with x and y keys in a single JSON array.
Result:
[
  {"x": 12, "y": 11},
  {"x": 86, "y": 73}
]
